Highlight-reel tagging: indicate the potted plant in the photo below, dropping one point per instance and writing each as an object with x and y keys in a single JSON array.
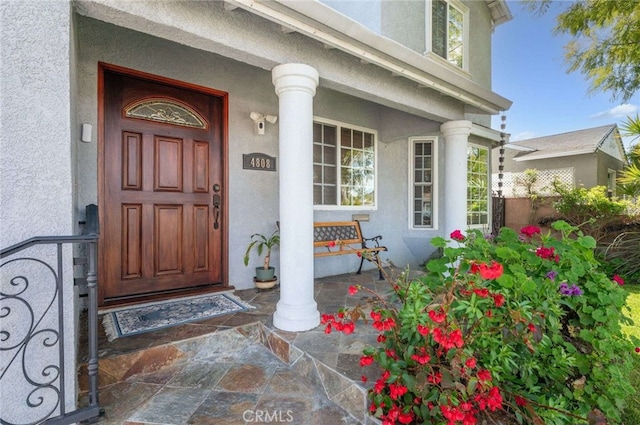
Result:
[{"x": 265, "y": 275}]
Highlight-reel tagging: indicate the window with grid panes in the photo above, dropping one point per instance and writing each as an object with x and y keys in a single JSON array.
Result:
[
  {"x": 447, "y": 31},
  {"x": 423, "y": 183},
  {"x": 477, "y": 186},
  {"x": 343, "y": 165}
]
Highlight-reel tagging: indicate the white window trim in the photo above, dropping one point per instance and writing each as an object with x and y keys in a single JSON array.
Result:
[
  {"x": 488, "y": 225},
  {"x": 434, "y": 183},
  {"x": 465, "y": 36},
  {"x": 611, "y": 171},
  {"x": 373, "y": 207}
]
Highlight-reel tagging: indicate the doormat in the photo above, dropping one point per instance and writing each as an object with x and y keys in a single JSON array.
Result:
[{"x": 141, "y": 318}]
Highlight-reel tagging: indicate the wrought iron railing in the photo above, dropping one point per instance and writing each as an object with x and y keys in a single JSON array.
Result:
[{"x": 32, "y": 335}]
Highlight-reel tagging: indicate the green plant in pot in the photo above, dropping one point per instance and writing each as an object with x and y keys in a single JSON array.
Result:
[{"x": 261, "y": 243}]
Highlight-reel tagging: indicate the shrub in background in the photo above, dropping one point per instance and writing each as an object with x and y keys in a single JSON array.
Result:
[{"x": 523, "y": 325}]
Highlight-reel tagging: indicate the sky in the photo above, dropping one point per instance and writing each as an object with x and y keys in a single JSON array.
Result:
[{"x": 529, "y": 69}]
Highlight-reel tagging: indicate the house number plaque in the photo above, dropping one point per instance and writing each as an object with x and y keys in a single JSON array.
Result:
[{"x": 258, "y": 161}]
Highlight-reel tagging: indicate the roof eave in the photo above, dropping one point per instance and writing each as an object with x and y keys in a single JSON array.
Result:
[
  {"x": 552, "y": 155},
  {"x": 500, "y": 12}
]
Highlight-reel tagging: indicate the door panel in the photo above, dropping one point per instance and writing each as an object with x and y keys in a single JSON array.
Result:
[{"x": 161, "y": 158}]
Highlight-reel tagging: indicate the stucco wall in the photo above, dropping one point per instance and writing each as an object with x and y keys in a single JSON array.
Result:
[
  {"x": 253, "y": 203},
  {"x": 36, "y": 187}
]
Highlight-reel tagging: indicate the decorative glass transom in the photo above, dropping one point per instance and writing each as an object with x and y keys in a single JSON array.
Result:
[{"x": 165, "y": 111}]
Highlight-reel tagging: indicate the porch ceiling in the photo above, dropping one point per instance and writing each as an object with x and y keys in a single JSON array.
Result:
[{"x": 236, "y": 34}]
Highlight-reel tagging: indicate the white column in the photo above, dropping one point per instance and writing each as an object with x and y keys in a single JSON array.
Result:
[
  {"x": 456, "y": 138},
  {"x": 295, "y": 86}
]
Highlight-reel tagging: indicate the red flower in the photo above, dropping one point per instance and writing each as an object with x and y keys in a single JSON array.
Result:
[
  {"x": 353, "y": 290},
  {"x": 363, "y": 379},
  {"x": 348, "y": 328},
  {"x": 397, "y": 390},
  {"x": 498, "y": 299},
  {"x": 423, "y": 358},
  {"x": 366, "y": 360},
  {"x": 434, "y": 378},
  {"x": 494, "y": 400},
  {"x": 359, "y": 254},
  {"x": 617, "y": 279},
  {"x": 471, "y": 362},
  {"x": 547, "y": 253},
  {"x": 381, "y": 338},
  {"x": 448, "y": 341},
  {"x": 422, "y": 329},
  {"x": 520, "y": 401},
  {"x": 331, "y": 244},
  {"x": 529, "y": 231},
  {"x": 531, "y": 327},
  {"x": 437, "y": 317},
  {"x": 405, "y": 418},
  {"x": 482, "y": 293},
  {"x": 452, "y": 413},
  {"x": 491, "y": 271},
  {"x": 457, "y": 235},
  {"x": 327, "y": 330},
  {"x": 375, "y": 315},
  {"x": 484, "y": 375},
  {"x": 637, "y": 349}
]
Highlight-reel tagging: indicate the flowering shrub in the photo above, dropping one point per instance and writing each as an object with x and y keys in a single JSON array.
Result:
[{"x": 522, "y": 325}]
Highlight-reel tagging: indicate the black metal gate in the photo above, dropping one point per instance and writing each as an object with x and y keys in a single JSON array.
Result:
[{"x": 32, "y": 334}]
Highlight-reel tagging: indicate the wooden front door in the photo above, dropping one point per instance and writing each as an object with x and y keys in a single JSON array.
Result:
[{"x": 162, "y": 221}]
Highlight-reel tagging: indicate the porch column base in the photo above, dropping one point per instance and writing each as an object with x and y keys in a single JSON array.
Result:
[{"x": 296, "y": 318}]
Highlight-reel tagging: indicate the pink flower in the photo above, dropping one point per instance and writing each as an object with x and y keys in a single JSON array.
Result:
[
  {"x": 529, "y": 231},
  {"x": 617, "y": 279},
  {"x": 547, "y": 253},
  {"x": 457, "y": 235}
]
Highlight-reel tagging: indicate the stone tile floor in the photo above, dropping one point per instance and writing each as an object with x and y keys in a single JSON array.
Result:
[{"x": 239, "y": 369}]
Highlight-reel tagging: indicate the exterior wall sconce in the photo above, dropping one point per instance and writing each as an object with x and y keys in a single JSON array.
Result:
[{"x": 260, "y": 121}]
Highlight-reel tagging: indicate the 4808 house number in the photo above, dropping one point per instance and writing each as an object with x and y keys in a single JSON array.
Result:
[{"x": 258, "y": 161}]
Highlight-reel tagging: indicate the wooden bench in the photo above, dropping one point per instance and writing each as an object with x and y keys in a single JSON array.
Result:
[{"x": 345, "y": 237}]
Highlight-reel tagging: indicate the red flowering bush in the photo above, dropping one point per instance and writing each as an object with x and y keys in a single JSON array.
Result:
[{"x": 521, "y": 326}]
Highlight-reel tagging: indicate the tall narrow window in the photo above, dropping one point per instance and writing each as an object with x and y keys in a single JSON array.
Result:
[
  {"x": 422, "y": 183},
  {"x": 477, "y": 186},
  {"x": 447, "y": 31},
  {"x": 343, "y": 165}
]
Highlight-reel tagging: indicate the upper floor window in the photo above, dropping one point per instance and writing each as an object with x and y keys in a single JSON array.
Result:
[
  {"x": 448, "y": 30},
  {"x": 477, "y": 186},
  {"x": 344, "y": 165},
  {"x": 423, "y": 187}
]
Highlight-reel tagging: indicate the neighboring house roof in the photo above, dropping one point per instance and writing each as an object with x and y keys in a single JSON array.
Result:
[{"x": 567, "y": 144}]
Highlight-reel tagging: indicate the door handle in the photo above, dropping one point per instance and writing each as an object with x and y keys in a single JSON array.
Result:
[{"x": 216, "y": 210}]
